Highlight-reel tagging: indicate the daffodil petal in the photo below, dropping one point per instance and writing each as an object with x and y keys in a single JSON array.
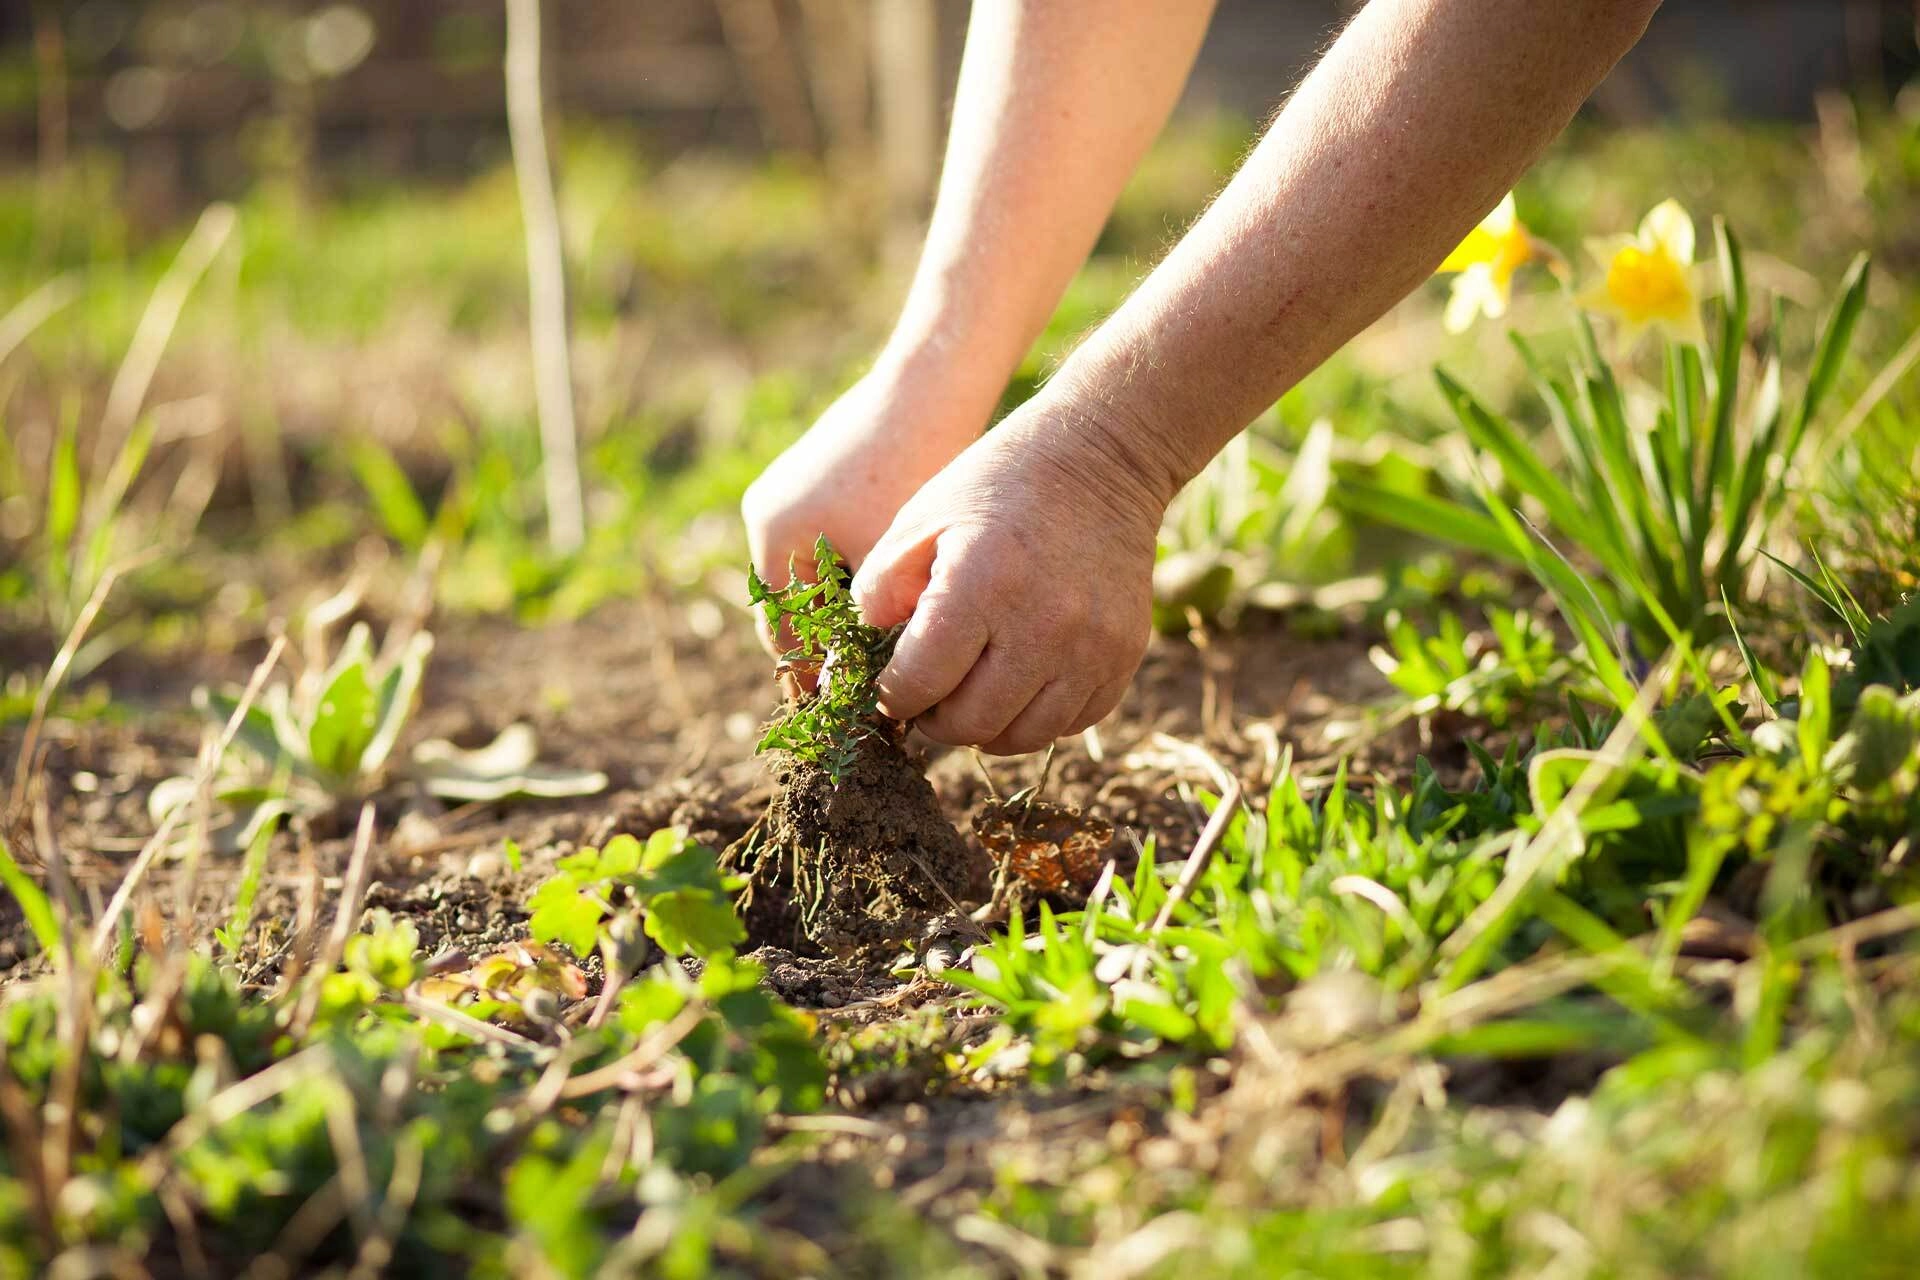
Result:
[
  {"x": 1463, "y": 308},
  {"x": 1688, "y": 327},
  {"x": 1473, "y": 293},
  {"x": 1597, "y": 300},
  {"x": 1487, "y": 242},
  {"x": 1668, "y": 226},
  {"x": 1479, "y": 246},
  {"x": 1603, "y": 248},
  {"x": 1503, "y": 218}
]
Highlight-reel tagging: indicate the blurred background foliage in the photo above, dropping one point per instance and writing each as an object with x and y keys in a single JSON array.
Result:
[{"x": 740, "y": 184}]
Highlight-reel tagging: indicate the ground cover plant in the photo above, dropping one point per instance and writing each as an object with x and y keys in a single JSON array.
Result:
[{"x": 383, "y": 892}]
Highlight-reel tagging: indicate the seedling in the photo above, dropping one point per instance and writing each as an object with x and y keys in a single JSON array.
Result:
[
  {"x": 1491, "y": 678},
  {"x": 673, "y": 883},
  {"x": 842, "y": 654},
  {"x": 323, "y": 742}
]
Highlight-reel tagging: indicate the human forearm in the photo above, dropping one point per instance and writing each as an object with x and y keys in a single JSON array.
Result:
[
  {"x": 1420, "y": 117},
  {"x": 1057, "y": 101}
]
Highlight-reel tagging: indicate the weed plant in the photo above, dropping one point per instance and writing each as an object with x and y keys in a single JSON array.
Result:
[{"x": 836, "y": 650}]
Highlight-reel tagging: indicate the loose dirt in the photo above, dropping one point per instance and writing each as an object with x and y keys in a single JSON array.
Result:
[{"x": 670, "y": 708}]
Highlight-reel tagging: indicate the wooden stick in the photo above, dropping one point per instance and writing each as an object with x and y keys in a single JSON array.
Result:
[
  {"x": 546, "y": 279},
  {"x": 1202, "y": 853}
]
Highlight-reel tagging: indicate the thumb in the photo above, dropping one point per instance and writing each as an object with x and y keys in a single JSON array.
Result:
[{"x": 890, "y": 582}]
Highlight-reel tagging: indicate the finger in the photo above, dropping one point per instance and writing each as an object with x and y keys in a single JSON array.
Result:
[
  {"x": 996, "y": 690},
  {"x": 894, "y": 576},
  {"x": 940, "y": 645},
  {"x": 1050, "y": 715},
  {"x": 1101, "y": 704}
]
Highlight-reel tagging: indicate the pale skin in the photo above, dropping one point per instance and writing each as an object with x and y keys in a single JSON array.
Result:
[{"x": 1021, "y": 560}]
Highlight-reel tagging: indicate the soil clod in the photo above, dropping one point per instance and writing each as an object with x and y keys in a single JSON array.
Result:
[{"x": 856, "y": 868}]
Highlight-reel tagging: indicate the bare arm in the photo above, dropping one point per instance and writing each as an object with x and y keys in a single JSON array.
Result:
[
  {"x": 1415, "y": 124},
  {"x": 1024, "y": 566},
  {"x": 1057, "y": 101}
]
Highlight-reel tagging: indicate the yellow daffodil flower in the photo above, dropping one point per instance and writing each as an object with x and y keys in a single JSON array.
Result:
[
  {"x": 1649, "y": 281},
  {"x": 1485, "y": 263}
]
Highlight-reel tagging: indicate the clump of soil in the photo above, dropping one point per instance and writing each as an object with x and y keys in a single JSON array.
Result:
[{"x": 854, "y": 868}]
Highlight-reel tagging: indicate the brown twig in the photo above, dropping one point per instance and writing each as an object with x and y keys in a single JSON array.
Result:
[
  {"x": 352, "y": 892},
  {"x": 150, "y": 337},
  {"x": 643, "y": 1055},
  {"x": 57, "y": 672},
  {"x": 1210, "y": 837},
  {"x": 34, "y": 310},
  {"x": 466, "y": 1024}
]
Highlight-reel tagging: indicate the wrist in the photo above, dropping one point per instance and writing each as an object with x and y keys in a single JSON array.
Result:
[
  {"x": 954, "y": 348},
  {"x": 1115, "y": 419}
]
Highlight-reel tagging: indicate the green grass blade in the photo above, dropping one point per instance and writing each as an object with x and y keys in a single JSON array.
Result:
[
  {"x": 1438, "y": 518},
  {"x": 1831, "y": 349},
  {"x": 1820, "y": 593},
  {"x": 34, "y": 904},
  {"x": 1518, "y": 461},
  {"x": 1755, "y": 469},
  {"x": 399, "y": 508},
  {"x": 1763, "y": 681},
  {"x": 1726, "y": 388}
]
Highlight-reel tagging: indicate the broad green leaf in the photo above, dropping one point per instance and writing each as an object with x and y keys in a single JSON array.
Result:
[
  {"x": 256, "y": 733},
  {"x": 693, "y": 922},
  {"x": 561, "y": 913},
  {"x": 399, "y": 690},
  {"x": 1880, "y": 739},
  {"x": 344, "y": 722},
  {"x": 621, "y": 856}
]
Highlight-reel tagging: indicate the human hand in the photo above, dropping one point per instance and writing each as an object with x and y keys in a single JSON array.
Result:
[
  {"x": 854, "y": 469},
  {"x": 1023, "y": 572}
]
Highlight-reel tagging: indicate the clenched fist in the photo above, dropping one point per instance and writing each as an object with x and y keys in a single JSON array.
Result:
[{"x": 1023, "y": 572}]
